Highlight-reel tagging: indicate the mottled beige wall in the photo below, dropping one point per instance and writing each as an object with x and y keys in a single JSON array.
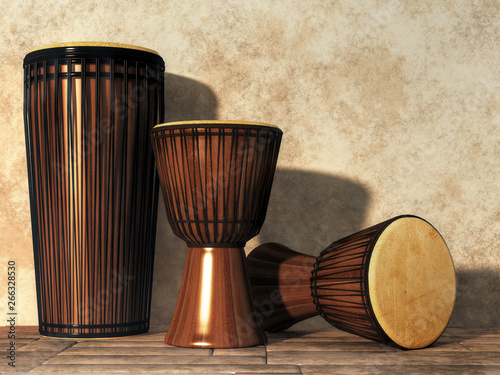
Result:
[{"x": 387, "y": 107}]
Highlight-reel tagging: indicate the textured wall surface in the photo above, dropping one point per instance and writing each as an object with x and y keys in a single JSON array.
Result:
[{"x": 387, "y": 107}]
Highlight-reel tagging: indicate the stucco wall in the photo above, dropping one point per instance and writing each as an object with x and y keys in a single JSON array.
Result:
[{"x": 387, "y": 107}]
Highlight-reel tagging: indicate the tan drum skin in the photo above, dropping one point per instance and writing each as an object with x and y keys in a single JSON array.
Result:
[
  {"x": 94, "y": 44},
  {"x": 411, "y": 282}
]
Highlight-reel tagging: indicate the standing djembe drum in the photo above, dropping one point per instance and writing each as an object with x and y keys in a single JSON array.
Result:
[
  {"x": 88, "y": 110},
  {"x": 216, "y": 178},
  {"x": 393, "y": 282}
]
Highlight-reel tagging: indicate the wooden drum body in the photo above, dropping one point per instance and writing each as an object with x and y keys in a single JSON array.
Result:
[
  {"x": 393, "y": 282},
  {"x": 88, "y": 110},
  {"x": 216, "y": 178}
]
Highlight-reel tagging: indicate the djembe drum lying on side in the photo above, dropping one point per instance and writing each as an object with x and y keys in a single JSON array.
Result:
[
  {"x": 88, "y": 111},
  {"x": 216, "y": 178},
  {"x": 393, "y": 282}
]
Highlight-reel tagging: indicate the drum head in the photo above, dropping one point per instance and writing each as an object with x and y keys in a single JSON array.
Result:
[
  {"x": 411, "y": 282},
  {"x": 212, "y": 123}
]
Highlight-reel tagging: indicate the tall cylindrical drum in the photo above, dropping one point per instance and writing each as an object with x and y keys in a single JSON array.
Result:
[{"x": 88, "y": 110}]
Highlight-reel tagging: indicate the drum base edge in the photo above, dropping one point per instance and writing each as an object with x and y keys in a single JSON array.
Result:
[{"x": 107, "y": 335}]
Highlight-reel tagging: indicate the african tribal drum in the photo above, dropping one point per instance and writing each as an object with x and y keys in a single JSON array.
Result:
[
  {"x": 393, "y": 282},
  {"x": 216, "y": 178},
  {"x": 88, "y": 111}
]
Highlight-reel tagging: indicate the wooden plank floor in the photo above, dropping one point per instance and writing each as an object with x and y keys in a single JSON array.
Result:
[{"x": 300, "y": 351}]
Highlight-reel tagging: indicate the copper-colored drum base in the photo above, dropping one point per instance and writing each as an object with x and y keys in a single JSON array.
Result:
[{"x": 214, "y": 308}]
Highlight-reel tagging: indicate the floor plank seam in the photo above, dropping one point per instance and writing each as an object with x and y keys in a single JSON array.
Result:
[{"x": 54, "y": 355}]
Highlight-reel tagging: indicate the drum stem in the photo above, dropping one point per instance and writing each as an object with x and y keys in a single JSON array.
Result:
[
  {"x": 214, "y": 308},
  {"x": 281, "y": 286}
]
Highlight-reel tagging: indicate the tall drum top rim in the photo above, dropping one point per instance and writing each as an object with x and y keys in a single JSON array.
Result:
[
  {"x": 94, "y": 44},
  {"x": 215, "y": 123}
]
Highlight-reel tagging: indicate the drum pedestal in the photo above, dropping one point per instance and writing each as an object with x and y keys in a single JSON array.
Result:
[
  {"x": 214, "y": 308},
  {"x": 281, "y": 286}
]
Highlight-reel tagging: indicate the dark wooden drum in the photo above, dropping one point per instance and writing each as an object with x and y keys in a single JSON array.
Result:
[
  {"x": 216, "y": 178},
  {"x": 88, "y": 111},
  {"x": 393, "y": 282}
]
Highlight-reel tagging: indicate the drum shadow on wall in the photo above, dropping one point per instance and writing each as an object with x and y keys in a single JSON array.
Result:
[
  {"x": 185, "y": 99},
  {"x": 310, "y": 210}
]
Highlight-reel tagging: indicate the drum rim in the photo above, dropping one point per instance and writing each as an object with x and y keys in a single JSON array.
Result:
[
  {"x": 214, "y": 123},
  {"x": 93, "y": 44}
]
